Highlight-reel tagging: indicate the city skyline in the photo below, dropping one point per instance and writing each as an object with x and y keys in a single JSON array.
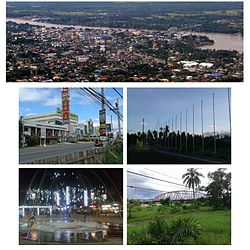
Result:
[{"x": 160, "y": 106}]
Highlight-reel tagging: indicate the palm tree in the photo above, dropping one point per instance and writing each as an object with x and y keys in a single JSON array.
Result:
[{"x": 191, "y": 179}]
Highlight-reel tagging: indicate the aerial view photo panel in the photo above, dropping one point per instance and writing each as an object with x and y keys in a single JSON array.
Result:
[
  {"x": 71, "y": 125},
  {"x": 179, "y": 126},
  {"x": 124, "y": 41}
]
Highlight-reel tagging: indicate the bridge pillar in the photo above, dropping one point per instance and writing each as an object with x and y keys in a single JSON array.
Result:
[
  {"x": 38, "y": 211},
  {"x": 50, "y": 210},
  {"x": 23, "y": 214}
]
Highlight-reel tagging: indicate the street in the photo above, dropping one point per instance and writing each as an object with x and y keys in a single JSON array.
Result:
[{"x": 35, "y": 153}]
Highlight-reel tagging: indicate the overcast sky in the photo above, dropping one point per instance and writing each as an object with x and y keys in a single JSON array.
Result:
[
  {"x": 168, "y": 173},
  {"x": 43, "y": 100},
  {"x": 159, "y": 105}
]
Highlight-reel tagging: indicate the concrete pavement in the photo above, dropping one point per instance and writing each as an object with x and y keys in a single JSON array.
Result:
[{"x": 35, "y": 153}]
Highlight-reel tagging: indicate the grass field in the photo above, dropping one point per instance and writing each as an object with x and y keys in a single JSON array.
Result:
[{"x": 216, "y": 225}]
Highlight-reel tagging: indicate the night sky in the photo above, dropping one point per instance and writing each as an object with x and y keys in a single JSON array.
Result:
[{"x": 90, "y": 178}]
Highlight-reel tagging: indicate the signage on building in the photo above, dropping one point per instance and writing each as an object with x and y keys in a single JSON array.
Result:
[
  {"x": 90, "y": 127},
  {"x": 108, "y": 127},
  {"x": 65, "y": 106},
  {"x": 102, "y": 117}
]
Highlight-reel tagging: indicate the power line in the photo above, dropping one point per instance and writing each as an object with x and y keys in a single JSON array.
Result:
[
  {"x": 163, "y": 174},
  {"x": 117, "y": 92},
  {"x": 205, "y": 182},
  {"x": 78, "y": 91},
  {"x": 156, "y": 178},
  {"x": 96, "y": 98},
  {"x": 107, "y": 102},
  {"x": 146, "y": 188}
]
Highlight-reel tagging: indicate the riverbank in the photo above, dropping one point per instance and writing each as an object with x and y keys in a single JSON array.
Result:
[{"x": 222, "y": 41}]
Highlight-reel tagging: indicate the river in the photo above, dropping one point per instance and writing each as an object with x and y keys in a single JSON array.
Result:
[{"x": 221, "y": 40}]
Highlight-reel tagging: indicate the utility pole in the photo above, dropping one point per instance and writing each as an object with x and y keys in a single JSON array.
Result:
[
  {"x": 103, "y": 121},
  {"x": 214, "y": 126},
  {"x": 103, "y": 102},
  {"x": 202, "y": 135},
  {"x": 21, "y": 131},
  {"x": 118, "y": 114},
  {"x": 111, "y": 123}
]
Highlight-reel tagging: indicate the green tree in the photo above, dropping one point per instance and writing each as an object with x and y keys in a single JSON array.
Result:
[
  {"x": 165, "y": 201},
  {"x": 131, "y": 205},
  {"x": 192, "y": 179},
  {"x": 219, "y": 190}
]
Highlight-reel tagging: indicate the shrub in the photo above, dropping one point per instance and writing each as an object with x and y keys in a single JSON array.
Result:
[
  {"x": 140, "y": 238},
  {"x": 187, "y": 207},
  {"x": 175, "y": 209},
  {"x": 162, "y": 209},
  {"x": 32, "y": 141},
  {"x": 184, "y": 229},
  {"x": 162, "y": 232}
]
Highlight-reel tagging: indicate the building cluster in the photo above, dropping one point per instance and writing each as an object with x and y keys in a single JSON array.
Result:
[
  {"x": 48, "y": 128},
  {"x": 48, "y": 54}
]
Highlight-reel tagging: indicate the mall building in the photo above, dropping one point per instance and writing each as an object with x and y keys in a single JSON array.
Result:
[{"x": 48, "y": 127}]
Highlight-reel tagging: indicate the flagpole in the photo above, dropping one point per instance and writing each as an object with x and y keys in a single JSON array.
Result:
[
  {"x": 186, "y": 131},
  {"x": 180, "y": 131},
  {"x": 214, "y": 126},
  {"x": 193, "y": 127},
  {"x": 202, "y": 135},
  {"x": 175, "y": 131},
  {"x": 229, "y": 109}
]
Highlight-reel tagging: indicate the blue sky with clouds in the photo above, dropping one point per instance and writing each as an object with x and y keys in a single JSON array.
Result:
[
  {"x": 160, "y": 105},
  {"x": 169, "y": 173},
  {"x": 42, "y": 100}
]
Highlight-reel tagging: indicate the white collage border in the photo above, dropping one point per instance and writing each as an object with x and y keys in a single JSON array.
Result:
[{"x": 9, "y": 146}]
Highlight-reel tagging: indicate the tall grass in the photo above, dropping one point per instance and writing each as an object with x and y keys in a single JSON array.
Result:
[{"x": 216, "y": 224}]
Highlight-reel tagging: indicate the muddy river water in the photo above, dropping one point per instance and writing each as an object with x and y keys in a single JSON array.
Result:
[{"x": 221, "y": 40}]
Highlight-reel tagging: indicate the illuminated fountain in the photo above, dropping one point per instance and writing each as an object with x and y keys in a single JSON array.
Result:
[{"x": 68, "y": 217}]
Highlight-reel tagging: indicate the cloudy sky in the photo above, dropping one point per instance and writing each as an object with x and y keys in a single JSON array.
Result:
[
  {"x": 168, "y": 173},
  {"x": 158, "y": 106},
  {"x": 42, "y": 100}
]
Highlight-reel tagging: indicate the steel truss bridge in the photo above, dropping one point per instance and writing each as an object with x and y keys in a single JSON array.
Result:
[{"x": 180, "y": 195}]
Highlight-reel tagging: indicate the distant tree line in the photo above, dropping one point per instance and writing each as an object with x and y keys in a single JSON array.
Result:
[
  {"x": 180, "y": 142},
  {"x": 211, "y": 17}
]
